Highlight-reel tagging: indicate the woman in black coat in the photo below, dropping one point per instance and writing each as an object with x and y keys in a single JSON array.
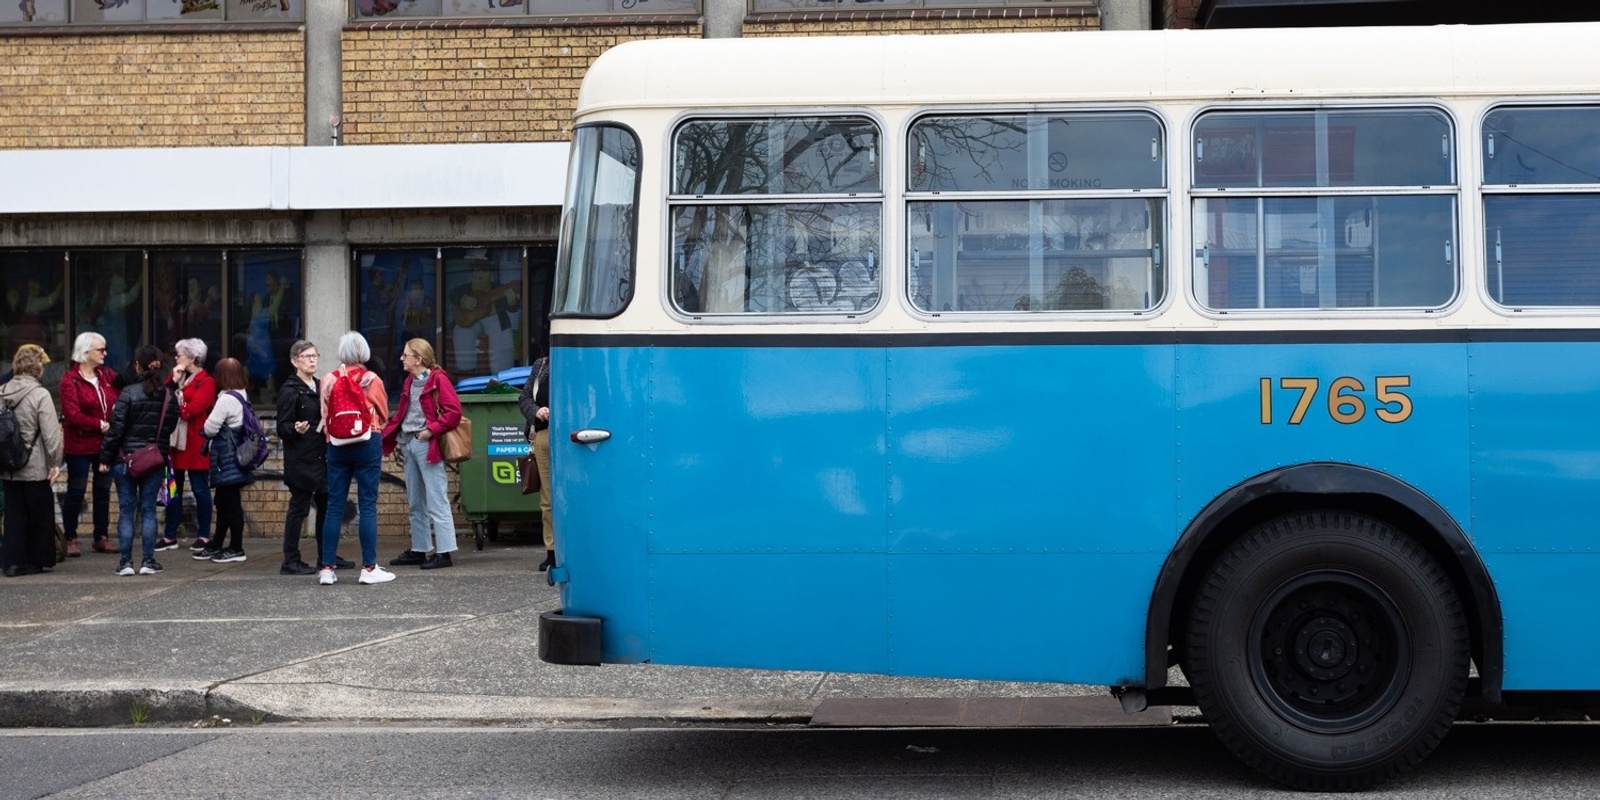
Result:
[
  {"x": 137, "y": 420},
  {"x": 305, "y": 456}
]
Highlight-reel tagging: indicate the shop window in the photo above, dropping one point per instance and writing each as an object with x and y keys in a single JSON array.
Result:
[
  {"x": 482, "y": 309},
  {"x": 264, "y": 315},
  {"x": 392, "y": 9},
  {"x": 34, "y": 310},
  {"x": 102, "y": 12},
  {"x": 133, "y": 297}
]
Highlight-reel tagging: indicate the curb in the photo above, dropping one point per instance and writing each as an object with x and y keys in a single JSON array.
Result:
[{"x": 96, "y": 708}]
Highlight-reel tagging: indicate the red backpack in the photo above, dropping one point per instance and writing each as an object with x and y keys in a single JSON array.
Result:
[{"x": 348, "y": 420}]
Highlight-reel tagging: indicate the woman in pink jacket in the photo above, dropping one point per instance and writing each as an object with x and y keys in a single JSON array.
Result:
[{"x": 428, "y": 407}]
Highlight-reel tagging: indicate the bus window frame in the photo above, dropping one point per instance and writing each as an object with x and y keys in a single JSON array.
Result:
[
  {"x": 888, "y": 189},
  {"x": 559, "y": 275},
  {"x": 1483, "y": 190},
  {"x": 1168, "y": 192},
  {"x": 1458, "y": 192}
]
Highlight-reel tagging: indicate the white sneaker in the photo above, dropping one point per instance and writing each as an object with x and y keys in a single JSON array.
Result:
[
  {"x": 326, "y": 577},
  {"x": 375, "y": 575}
]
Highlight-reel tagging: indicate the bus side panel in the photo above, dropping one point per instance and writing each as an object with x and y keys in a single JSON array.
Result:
[
  {"x": 1230, "y": 428},
  {"x": 600, "y": 505},
  {"x": 795, "y": 611},
  {"x": 1536, "y": 504},
  {"x": 766, "y": 479},
  {"x": 1021, "y": 509}
]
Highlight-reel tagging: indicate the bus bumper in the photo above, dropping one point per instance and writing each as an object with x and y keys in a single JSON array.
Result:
[{"x": 569, "y": 640}]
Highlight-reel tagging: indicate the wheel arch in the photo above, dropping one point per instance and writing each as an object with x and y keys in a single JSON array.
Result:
[{"x": 1325, "y": 485}]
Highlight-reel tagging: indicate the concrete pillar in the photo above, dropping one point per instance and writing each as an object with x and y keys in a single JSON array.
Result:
[
  {"x": 1125, "y": 15},
  {"x": 324, "y": 95},
  {"x": 327, "y": 247},
  {"x": 327, "y": 287},
  {"x": 724, "y": 19}
]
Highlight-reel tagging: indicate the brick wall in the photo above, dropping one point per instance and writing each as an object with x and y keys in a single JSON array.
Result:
[
  {"x": 410, "y": 85},
  {"x": 1180, "y": 13},
  {"x": 152, "y": 90}
]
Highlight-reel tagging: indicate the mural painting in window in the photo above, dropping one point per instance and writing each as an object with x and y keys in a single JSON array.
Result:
[
  {"x": 395, "y": 302},
  {"x": 108, "y": 299},
  {"x": 33, "y": 311},
  {"x": 264, "y": 318},
  {"x": 483, "y": 287}
]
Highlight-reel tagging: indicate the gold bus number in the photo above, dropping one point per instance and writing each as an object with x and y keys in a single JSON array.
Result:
[{"x": 1345, "y": 400}]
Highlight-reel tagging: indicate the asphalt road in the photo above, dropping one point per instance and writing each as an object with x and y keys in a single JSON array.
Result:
[{"x": 1488, "y": 761}]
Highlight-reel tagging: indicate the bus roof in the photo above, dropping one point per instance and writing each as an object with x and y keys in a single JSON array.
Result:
[{"x": 1107, "y": 66}]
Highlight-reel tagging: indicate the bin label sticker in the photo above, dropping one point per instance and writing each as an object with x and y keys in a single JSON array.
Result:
[
  {"x": 504, "y": 472},
  {"x": 507, "y": 441}
]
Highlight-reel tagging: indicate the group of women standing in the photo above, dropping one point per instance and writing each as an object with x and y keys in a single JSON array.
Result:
[{"x": 194, "y": 419}]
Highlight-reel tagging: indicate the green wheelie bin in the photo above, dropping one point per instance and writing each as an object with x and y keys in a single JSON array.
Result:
[{"x": 491, "y": 488}]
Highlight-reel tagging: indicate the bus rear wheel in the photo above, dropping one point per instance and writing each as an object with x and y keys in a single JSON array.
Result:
[{"x": 1328, "y": 650}]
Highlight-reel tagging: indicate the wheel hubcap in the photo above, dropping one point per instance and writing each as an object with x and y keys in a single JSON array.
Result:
[{"x": 1330, "y": 652}]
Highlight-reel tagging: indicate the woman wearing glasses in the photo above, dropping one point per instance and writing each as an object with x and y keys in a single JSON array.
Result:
[
  {"x": 88, "y": 393},
  {"x": 305, "y": 456}
]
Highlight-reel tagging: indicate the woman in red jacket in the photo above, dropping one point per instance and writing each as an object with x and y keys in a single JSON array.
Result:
[
  {"x": 195, "y": 393},
  {"x": 428, "y": 407},
  {"x": 88, "y": 392}
]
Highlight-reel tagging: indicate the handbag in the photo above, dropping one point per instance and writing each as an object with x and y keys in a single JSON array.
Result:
[
  {"x": 528, "y": 466},
  {"x": 147, "y": 459},
  {"x": 456, "y": 444}
]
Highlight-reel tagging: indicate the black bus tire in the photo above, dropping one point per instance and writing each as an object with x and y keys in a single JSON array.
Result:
[{"x": 1328, "y": 650}]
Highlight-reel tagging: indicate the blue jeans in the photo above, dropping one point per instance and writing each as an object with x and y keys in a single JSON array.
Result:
[
  {"x": 136, "y": 498},
  {"x": 364, "y": 463},
  {"x": 79, "y": 468},
  {"x": 428, "y": 494},
  {"x": 200, "y": 481}
]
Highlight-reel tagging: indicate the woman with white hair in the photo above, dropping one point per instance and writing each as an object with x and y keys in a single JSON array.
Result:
[
  {"x": 29, "y": 546},
  {"x": 88, "y": 393},
  {"x": 354, "y": 404},
  {"x": 195, "y": 393}
]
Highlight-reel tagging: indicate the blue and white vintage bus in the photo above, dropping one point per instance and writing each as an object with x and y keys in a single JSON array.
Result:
[{"x": 1269, "y": 354}]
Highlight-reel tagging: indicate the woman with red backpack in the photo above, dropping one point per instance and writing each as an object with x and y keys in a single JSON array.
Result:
[{"x": 354, "y": 403}]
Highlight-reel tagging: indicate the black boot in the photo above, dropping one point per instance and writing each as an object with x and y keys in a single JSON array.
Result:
[
  {"x": 409, "y": 558},
  {"x": 437, "y": 561},
  {"x": 549, "y": 560}
]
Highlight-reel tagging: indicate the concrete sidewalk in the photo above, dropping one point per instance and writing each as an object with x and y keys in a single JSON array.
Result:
[{"x": 80, "y": 646}]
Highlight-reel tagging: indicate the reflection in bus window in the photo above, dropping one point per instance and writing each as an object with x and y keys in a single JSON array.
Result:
[
  {"x": 594, "y": 269},
  {"x": 1543, "y": 248},
  {"x": 781, "y": 250},
  {"x": 1073, "y": 239},
  {"x": 1302, "y": 247}
]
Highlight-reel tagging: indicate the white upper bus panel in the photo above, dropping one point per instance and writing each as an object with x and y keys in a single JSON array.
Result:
[{"x": 1494, "y": 60}]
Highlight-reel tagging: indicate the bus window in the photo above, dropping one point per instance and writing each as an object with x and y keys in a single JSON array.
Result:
[
  {"x": 1543, "y": 248},
  {"x": 1034, "y": 212},
  {"x": 776, "y": 216},
  {"x": 1300, "y": 246},
  {"x": 594, "y": 268}
]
